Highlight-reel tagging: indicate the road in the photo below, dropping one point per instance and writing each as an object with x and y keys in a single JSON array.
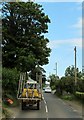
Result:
[
  {"x": 51, "y": 107},
  {"x": 57, "y": 108}
]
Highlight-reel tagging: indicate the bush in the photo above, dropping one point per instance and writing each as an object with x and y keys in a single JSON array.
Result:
[
  {"x": 68, "y": 84},
  {"x": 80, "y": 85},
  {"x": 53, "y": 87},
  {"x": 68, "y": 97},
  {"x": 10, "y": 79},
  {"x": 80, "y": 95},
  {"x": 6, "y": 113}
]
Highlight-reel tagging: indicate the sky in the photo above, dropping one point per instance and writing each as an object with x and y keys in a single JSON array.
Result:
[{"x": 64, "y": 33}]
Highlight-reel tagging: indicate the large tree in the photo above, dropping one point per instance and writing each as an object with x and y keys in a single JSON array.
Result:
[
  {"x": 70, "y": 71},
  {"x": 23, "y": 41}
]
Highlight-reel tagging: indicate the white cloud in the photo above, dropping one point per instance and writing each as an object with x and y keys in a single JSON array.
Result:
[
  {"x": 79, "y": 6},
  {"x": 73, "y": 42},
  {"x": 78, "y": 24}
]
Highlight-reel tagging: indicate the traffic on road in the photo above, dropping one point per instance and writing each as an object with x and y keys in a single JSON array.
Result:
[{"x": 51, "y": 107}]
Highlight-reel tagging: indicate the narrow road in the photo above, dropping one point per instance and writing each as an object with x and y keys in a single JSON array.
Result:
[
  {"x": 57, "y": 108},
  {"x": 51, "y": 107},
  {"x": 32, "y": 112}
]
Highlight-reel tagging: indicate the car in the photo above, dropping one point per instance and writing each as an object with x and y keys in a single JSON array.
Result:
[{"x": 47, "y": 90}]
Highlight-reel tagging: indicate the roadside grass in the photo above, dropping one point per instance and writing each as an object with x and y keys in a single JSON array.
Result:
[
  {"x": 6, "y": 106},
  {"x": 6, "y": 110},
  {"x": 14, "y": 99},
  {"x": 68, "y": 97},
  {"x": 72, "y": 97},
  {"x": 6, "y": 113},
  {"x": 14, "y": 104}
]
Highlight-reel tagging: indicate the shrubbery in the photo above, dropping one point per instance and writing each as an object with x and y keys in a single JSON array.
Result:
[
  {"x": 80, "y": 95},
  {"x": 80, "y": 85},
  {"x": 67, "y": 84},
  {"x": 68, "y": 97},
  {"x": 10, "y": 79}
]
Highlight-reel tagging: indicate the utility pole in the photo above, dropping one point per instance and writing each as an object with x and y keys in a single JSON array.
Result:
[
  {"x": 56, "y": 69},
  {"x": 75, "y": 67}
]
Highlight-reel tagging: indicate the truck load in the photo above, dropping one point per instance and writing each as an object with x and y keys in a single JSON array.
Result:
[{"x": 29, "y": 93}]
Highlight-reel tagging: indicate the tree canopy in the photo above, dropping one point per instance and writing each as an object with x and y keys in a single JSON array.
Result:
[
  {"x": 70, "y": 71},
  {"x": 23, "y": 42}
]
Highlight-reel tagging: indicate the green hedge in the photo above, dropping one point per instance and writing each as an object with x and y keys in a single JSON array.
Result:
[
  {"x": 80, "y": 94},
  {"x": 10, "y": 79},
  {"x": 67, "y": 97}
]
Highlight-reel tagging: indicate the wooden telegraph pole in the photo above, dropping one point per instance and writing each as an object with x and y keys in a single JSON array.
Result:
[
  {"x": 75, "y": 67},
  {"x": 56, "y": 69}
]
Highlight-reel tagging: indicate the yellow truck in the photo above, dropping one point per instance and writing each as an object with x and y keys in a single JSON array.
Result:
[{"x": 29, "y": 93}]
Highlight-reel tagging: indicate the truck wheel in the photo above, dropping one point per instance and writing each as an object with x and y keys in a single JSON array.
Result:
[
  {"x": 38, "y": 105},
  {"x": 23, "y": 105}
]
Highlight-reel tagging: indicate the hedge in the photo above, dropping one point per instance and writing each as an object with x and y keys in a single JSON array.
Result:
[{"x": 80, "y": 94}]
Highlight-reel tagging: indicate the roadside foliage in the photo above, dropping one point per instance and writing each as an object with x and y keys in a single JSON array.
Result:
[
  {"x": 23, "y": 42},
  {"x": 66, "y": 84},
  {"x": 24, "y": 45}
]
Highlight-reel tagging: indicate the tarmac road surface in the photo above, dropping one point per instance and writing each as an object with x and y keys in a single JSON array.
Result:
[{"x": 51, "y": 107}]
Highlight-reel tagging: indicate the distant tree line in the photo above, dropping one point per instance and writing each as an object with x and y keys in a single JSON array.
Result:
[{"x": 67, "y": 82}]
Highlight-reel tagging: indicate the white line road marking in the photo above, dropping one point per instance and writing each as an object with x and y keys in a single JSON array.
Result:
[
  {"x": 75, "y": 110},
  {"x": 45, "y": 102},
  {"x": 46, "y": 109},
  {"x": 47, "y": 118},
  {"x": 45, "y": 105},
  {"x": 13, "y": 118},
  {"x": 43, "y": 97}
]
